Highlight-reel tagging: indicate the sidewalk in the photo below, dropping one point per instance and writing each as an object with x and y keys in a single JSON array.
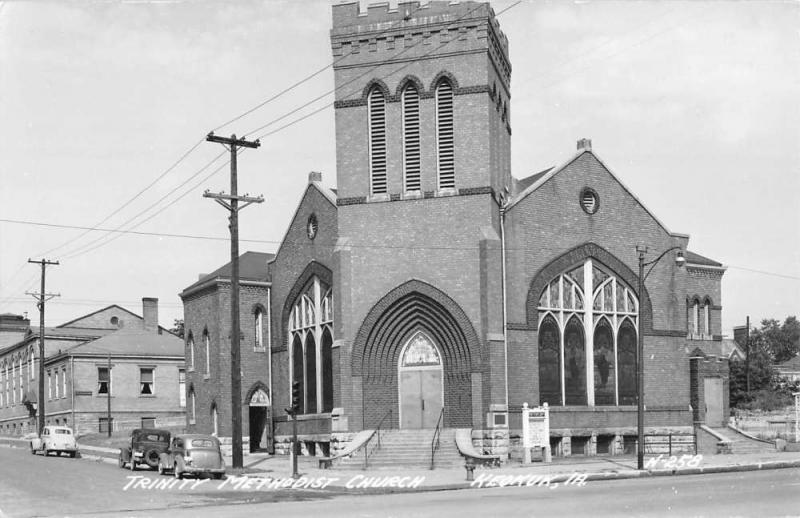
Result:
[
  {"x": 512, "y": 474},
  {"x": 276, "y": 471}
]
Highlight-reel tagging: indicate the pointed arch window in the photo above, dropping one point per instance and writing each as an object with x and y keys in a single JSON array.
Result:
[
  {"x": 411, "y": 139},
  {"x": 445, "y": 137},
  {"x": 706, "y": 318},
  {"x": 377, "y": 141},
  {"x": 190, "y": 343},
  {"x": 587, "y": 350},
  {"x": 258, "y": 331},
  {"x": 311, "y": 336},
  {"x": 207, "y": 347}
]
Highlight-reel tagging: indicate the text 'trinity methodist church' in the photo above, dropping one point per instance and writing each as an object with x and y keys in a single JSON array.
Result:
[{"x": 433, "y": 288}]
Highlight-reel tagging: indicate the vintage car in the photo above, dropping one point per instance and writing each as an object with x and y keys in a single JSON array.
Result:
[
  {"x": 55, "y": 438},
  {"x": 145, "y": 447},
  {"x": 193, "y": 454}
]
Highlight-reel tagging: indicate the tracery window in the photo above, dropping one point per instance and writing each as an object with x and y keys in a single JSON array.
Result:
[
  {"x": 311, "y": 339},
  {"x": 578, "y": 340}
]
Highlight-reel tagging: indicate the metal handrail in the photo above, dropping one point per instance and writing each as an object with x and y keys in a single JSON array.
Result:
[
  {"x": 436, "y": 436},
  {"x": 378, "y": 432}
]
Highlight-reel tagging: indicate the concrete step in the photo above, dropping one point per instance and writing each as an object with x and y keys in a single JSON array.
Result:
[{"x": 410, "y": 449}]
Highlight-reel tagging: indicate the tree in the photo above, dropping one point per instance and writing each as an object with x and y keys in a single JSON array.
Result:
[
  {"x": 762, "y": 373},
  {"x": 177, "y": 327},
  {"x": 783, "y": 340}
]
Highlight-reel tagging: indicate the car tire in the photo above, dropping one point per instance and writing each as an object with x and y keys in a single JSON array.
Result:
[
  {"x": 33, "y": 452},
  {"x": 176, "y": 472},
  {"x": 120, "y": 461},
  {"x": 46, "y": 452},
  {"x": 72, "y": 454},
  {"x": 161, "y": 470},
  {"x": 132, "y": 463},
  {"x": 151, "y": 457},
  {"x": 217, "y": 476}
]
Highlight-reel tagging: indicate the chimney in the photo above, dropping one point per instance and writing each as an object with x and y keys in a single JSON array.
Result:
[
  {"x": 150, "y": 313},
  {"x": 314, "y": 176},
  {"x": 585, "y": 144}
]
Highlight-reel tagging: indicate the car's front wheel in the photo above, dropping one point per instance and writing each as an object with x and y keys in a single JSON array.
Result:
[
  {"x": 161, "y": 470},
  {"x": 120, "y": 461},
  {"x": 176, "y": 472},
  {"x": 217, "y": 476},
  {"x": 72, "y": 454},
  {"x": 132, "y": 464},
  {"x": 46, "y": 452}
]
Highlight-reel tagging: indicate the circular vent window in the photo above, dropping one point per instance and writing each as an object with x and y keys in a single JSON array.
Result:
[{"x": 590, "y": 202}]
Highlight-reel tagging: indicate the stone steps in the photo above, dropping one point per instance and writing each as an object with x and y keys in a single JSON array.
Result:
[
  {"x": 410, "y": 449},
  {"x": 739, "y": 443}
]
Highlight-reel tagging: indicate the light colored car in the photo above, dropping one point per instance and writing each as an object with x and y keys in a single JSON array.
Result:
[
  {"x": 55, "y": 438},
  {"x": 192, "y": 454}
]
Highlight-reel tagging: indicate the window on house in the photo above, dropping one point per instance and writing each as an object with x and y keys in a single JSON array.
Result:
[
  {"x": 146, "y": 386},
  {"x": 207, "y": 345},
  {"x": 191, "y": 352},
  {"x": 56, "y": 383},
  {"x": 411, "y": 139},
  {"x": 49, "y": 386},
  {"x": 103, "y": 380},
  {"x": 259, "y": 329},
  {"x": 148, "y": 422},
  {"x": 696, "y": 317},
  {"x": 445, "y": 148},
  {"x": 707, "y": 317},
  {"x": 192, "y": 407},
  {"x": 377, "y": 141},
  {"x": 63, "y": 382},
  {"x": 575, "y": 333},
  {"x": 182, "y": 387},
  {"x": 31, "y": 363}
]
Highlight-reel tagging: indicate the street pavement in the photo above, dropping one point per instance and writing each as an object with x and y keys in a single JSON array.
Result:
[
  {"x": 279, "y": 467},
  {"x": 32, "y": 485}
]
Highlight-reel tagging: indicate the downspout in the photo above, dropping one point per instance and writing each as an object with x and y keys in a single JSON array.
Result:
[{"x": 505, "y": 311}]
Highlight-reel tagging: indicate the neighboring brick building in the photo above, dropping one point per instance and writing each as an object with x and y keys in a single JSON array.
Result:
[
  {"x": 109, "y": 351},
  {"x": 432, "y": 282},
  {"x": 207, "y": 335}
]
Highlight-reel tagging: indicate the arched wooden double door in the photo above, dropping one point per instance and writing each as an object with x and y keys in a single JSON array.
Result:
[{"x": 421, "y": 383}]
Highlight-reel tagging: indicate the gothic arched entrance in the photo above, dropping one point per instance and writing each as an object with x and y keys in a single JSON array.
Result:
[
  {"x": 421, "y": 383},
  {"x": 259, "y": 414}
]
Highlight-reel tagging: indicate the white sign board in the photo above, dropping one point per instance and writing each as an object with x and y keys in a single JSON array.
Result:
[{"x": 536, "y": 426}]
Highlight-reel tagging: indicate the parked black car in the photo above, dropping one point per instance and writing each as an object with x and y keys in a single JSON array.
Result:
[{"x": 146, "y": 445}]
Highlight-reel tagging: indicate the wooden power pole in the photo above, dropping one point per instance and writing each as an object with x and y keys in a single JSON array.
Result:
[
  {"x": 231, "y": 203},
  {"x": 41, "y": 298}
]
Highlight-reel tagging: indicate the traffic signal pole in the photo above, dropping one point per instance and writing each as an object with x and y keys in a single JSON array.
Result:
[{"x": 293, "y": 411}]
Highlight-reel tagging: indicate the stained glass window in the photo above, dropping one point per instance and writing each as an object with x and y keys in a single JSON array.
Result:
[
  {"x": 420, "y": 351},
  {"x": 549, "y": 362}
]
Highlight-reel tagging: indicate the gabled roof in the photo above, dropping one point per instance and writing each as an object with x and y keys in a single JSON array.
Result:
[
  {"x": 133, "y": 342},
  {"x": 530, "y": 180},
  {"x": 329, "y": 194},
  {"x": 541, "y": 179},
  {"x": 694, "y": 258},
  {"x": 117, "y": 306},
  {"x": 252, "y": 267}
]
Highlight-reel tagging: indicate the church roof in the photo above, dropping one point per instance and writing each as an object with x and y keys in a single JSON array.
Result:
[
  {"x": 524, "y": 183},
  {"x": 252, "y": 267},
  {"x": 694, "y": 258}
]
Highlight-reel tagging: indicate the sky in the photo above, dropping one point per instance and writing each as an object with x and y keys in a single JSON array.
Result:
[{"x": 104, "y": 108}]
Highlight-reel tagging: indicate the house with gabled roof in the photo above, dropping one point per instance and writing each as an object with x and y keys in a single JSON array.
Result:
[{"x": 111, "y": 354}]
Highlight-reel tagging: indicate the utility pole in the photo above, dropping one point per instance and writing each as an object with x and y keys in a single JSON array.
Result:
[
  {"x": 747, "y": 354},
  {"x": 231, "y": 203},
  {"x": 41, "y": 298}
]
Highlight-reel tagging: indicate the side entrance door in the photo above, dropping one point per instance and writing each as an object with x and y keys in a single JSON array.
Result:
[{"x": 713, "y": 400}]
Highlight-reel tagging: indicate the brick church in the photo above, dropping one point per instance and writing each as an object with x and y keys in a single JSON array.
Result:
[{"x": 433, "y": 288}]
